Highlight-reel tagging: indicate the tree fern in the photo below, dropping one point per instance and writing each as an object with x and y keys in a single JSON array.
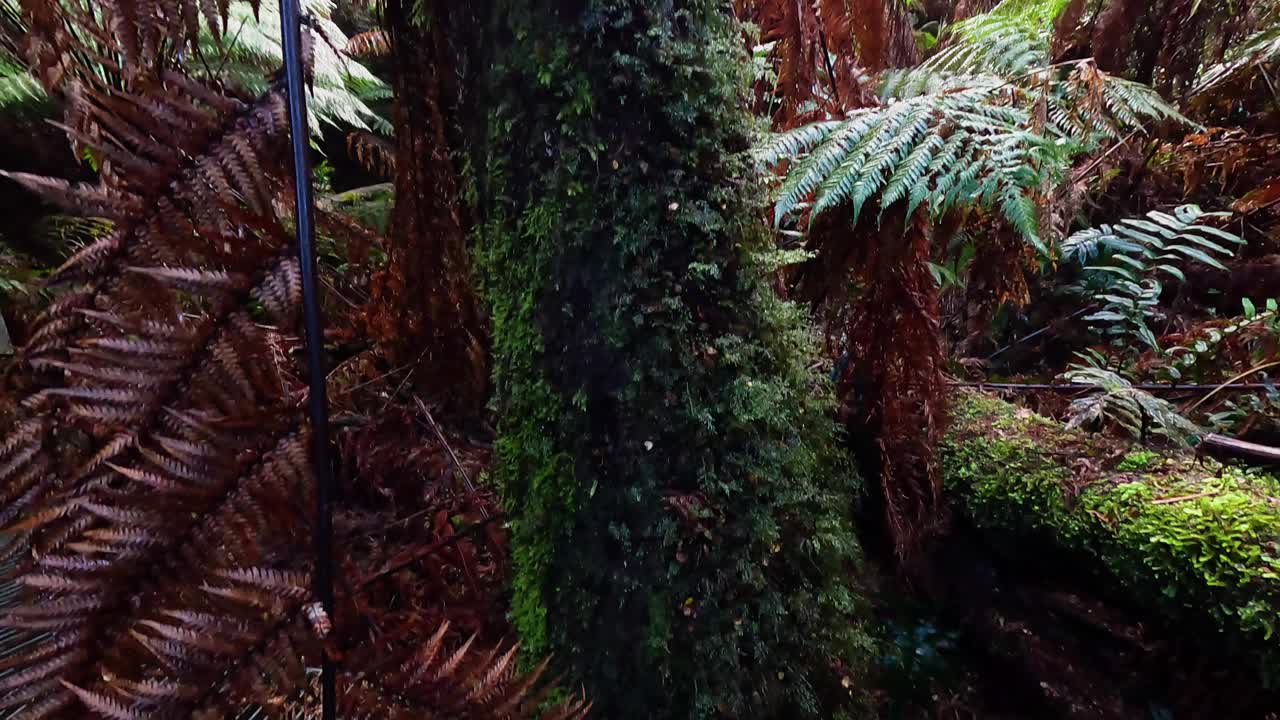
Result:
[
  {"x": 1123, "y": 264},
  {"x": 945, "y": 149},
  {"x": 965, "y": 128},
  {"x": 250, "y": 52}
]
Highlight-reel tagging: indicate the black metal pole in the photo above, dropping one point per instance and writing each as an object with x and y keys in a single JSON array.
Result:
[{"x": 291, "y": 32}]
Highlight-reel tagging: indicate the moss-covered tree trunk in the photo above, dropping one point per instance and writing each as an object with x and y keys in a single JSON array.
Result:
[{"x": 679, "y": 508}]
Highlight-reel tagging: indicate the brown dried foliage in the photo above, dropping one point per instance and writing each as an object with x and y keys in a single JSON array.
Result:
[
  {"x": 1166, "y": 42},
  {"x": 164, "y": 553},
  {"x": 376, "y": 155},
  {"x": 1113, "y": 33},
  {"x": 999, "y": 279},
  {"x": 824, "y": 49},
  {"x": 373, "y": 43},
  {"x": 132, "y": 41},
  {"x": 157, "y": 482},
  {"x": 897, "y": 358},
  {"x": 969, "y": 8}
]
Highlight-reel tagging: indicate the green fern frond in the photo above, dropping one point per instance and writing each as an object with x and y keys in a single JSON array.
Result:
[
  {"x": 999, "y": 45},
  {"x": 1133, "y": 102},
  {"x": 18, "y": 89},
  {"x": 949, "y": 150},
  {"x": 250, "y": 53},
  {"x": 1260, "y": 50},
  {"x": 1010, "y": 40},
  {"x": 1124, "y": 260},
  {"x": 1009, "y": 48},
  {"x": 1140, "y": 413}
]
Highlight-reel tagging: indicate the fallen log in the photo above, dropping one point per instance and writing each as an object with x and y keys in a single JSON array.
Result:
[
  {"x": 1189, "y": 541},
  {"x": 1079, "y": 387},
  {"x": 1228, "y": 449}
]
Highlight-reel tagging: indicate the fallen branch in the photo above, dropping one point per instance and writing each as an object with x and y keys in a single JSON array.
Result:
[
  {"x": 407, "y": 557},
  {"x": 1184, "y": 498},
  {"x": 1077, "y": 387},
  {"x": 1221, "y": 447}
]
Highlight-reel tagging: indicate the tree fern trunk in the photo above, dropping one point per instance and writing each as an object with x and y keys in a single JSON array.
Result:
[
  {"x": 423, "y": 306},
  {"x": 897, "y": 367},
  {"x": 679, "y": 507}
]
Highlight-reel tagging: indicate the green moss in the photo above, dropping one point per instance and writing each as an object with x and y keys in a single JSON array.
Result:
[
  {"x": 1196, "y": 544},
  {"x": 1138, "y": 460},
  {"x": 370, "y": 205},
  {"x": 679, "y": 505}
]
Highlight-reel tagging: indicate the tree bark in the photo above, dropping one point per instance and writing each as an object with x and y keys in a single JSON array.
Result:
[
  {"x": 661, "y": 445},
  {"x": 423, "y": 306}
]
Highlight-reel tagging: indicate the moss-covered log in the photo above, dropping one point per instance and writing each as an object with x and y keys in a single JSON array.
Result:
[
  {"x": 1195, "y": 544},
  {"x": 679, "y": 505}
]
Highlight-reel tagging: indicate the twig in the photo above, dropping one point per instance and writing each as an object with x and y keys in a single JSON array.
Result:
[
  {"x": 1270, "y": 85},
  {"x": 466, "y": 478},
  {"x": 1241, "y": 376},
  {"x": 1036, "y": 334},
  {"x": 1076, "y": 176},
  {"x": 383, "y": 376},
  {"x": 404, "y": 380},
  {"x": 1184, "y": 498},
  {"x": 405, "y": 559},
  {"x": 831, "y": 73}
]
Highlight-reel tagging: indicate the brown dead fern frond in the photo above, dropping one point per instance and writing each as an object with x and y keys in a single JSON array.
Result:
[
  {"x": 375, "y": 154},
  {"x": 158, "y": 479},
  {"x": 374, "y": 43},
  {"x": 446, "y": 674},
  {"x": 128, "y": 41}
]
